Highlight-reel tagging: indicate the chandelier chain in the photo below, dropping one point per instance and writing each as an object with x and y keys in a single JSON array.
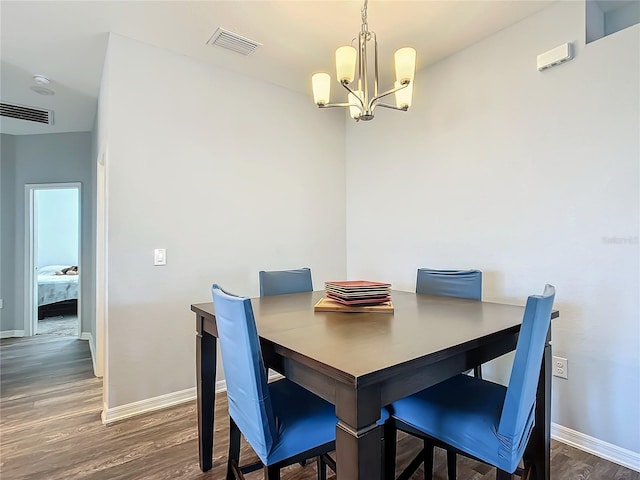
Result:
[{"x": 365, "y": 26}]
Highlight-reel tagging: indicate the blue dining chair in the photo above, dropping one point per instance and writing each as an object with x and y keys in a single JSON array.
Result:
[
  {"x": 280, "y": 282},
  {"x": 475, "y": 417},
  {"x": 447, "y": 283},
  {"x": 283, "y": 422},
  {"x": 451, "y": 283}
]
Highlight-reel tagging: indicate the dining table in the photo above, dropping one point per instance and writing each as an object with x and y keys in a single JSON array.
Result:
[{"x": 362, "y": 361}]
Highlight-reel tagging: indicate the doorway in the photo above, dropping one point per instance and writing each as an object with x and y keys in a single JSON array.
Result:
[{"x": 53, "y": 270}]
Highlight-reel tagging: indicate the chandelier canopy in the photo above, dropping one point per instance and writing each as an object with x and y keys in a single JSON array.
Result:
[{"x": 360, "y": 101}]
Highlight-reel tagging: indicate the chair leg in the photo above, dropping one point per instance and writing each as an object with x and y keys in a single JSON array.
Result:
[
  {"x": 329, "y": 462},
  {"x": 271, "y": 472},
  {"x": 389, "y": 455},
  {"x": 427, "y": 455},
  {"x": 322, "y": 468},
  {"x": 477, "y": 371},
  {"x": 528, "y": 472},
  {"x": 451, "y": 465},
  {"x": 233, "y": 458},
  {"x": 502, "y": 475},
  {"x": 236, "y": 470},
  {"x": 413, "y": 466}
]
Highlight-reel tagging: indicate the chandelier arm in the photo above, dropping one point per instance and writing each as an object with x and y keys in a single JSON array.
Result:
[
  {"x": 393, "y": 107},
  {"x": 329, "y": 105},
  {"x": 361, "y": 106},
  {"x": 374, "y": 101}
]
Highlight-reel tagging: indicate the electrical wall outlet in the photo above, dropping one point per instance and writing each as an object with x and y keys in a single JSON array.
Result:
[{"x": 560, "y": 367}]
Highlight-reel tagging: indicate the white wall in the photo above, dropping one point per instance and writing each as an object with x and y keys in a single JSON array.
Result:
[
  {"x": 57, "y": 226},
  {"x": 230, "y": 175},
  {"x": 531, "y": 177}
]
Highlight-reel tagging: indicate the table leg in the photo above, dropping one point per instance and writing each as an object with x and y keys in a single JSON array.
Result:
[
  {"x": 206, "y": 359},
  {"x": 538, "y": 451},
  {"x": 358, "y": 438}
]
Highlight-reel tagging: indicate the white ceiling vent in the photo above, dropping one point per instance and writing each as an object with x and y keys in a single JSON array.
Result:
[
  {"x": 26, "y": 113},
  {"x": 234, "y": 42}
]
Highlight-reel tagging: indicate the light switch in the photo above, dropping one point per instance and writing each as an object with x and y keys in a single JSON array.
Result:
[{"x": 160, "y": 256}]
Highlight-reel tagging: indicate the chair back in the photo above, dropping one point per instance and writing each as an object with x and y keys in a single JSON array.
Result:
[
  {"x": 450, "y": 283},
  {"x": 247, "y": 389},
  {"x": 518, "y": 411},
  {"x": 280, "y": 282}
]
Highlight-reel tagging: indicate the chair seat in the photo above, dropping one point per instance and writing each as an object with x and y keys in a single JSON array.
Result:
[
  {"x": 298, "y": 430},
  {"x": 462, "y": 411}
]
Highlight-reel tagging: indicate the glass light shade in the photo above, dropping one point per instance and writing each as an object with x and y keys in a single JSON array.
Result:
[
  {"x": 405, "y": 59},
  {"x": 346, "y": 64},
  {"x": 321, "y": 83},
  {"x": 355, "y": 110},
  {"x": 404, "y": 95}
]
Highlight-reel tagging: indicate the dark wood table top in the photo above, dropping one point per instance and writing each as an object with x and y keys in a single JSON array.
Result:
[{"x": 360, "y": 344}]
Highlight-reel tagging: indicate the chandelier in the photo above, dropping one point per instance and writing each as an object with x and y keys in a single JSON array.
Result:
[{"x": 360, "y": 101}]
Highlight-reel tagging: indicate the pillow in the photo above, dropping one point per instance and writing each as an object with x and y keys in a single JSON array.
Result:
[{"x": 51, "y": 269}]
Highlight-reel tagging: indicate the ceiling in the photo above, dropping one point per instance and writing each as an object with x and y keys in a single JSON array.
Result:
[{"x": 66, "y": 41}]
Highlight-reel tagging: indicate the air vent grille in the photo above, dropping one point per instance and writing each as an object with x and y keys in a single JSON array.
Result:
[
  {"x": 234, "y": 42},
  {"x": 26, "y": 113}
]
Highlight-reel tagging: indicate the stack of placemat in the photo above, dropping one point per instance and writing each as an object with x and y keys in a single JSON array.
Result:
[{"x": 358, "y": 292}]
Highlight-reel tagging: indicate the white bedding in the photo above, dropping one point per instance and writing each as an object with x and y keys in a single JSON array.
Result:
[{"x": 54, "y": 288}]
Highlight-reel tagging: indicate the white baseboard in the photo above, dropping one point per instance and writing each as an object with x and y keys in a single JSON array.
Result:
[
  {"x": 600, "y": 448},
  {"x": 110, "y": 415},
  {"x": 221, "y": 386},
  {"x": 92, "y": 348},
  {"x": 149, "y": 405},
  {"x": 11, "y": 333},
  {"x": 103, "y": 414}
]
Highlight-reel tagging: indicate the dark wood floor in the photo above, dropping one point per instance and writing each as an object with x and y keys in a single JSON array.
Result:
[{"x": 50, "y": 429}]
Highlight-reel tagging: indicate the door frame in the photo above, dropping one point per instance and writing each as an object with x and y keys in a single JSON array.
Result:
[
  {"x": 31, "y": 248},
  {"x": 101, "y": 301}
]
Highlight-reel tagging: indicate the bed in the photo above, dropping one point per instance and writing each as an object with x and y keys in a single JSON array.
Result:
[{"x": 57, "y": 294}]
